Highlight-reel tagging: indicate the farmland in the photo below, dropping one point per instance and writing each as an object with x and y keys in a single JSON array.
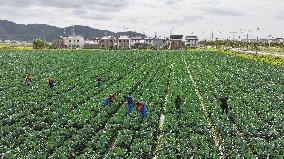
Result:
[{"x": 69, "y": 120}]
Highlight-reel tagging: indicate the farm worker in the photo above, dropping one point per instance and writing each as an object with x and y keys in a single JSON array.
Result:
[
  {"x": 178, "y": 103},
  {"x": 51, "y": 82},
  {"x": 28, "y": 79},
  {"x": 224, "y": 104},
  {"x": 141, "y": 108},
  {"x": 98, "y": 81},
  {"x": 129, "y": 100},
  {"x": 107, "y": 100}
]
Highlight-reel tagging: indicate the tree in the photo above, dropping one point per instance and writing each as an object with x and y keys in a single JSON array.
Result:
[{"x": 39, "y": 44}]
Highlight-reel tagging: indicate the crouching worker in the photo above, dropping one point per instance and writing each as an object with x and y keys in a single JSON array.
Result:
[
  {"x": 129, "y": 100},
  {"x": 141, "y": 108},
  {"x": 178, "y": 103},
  {"x": 98, "y": 81},
  {"x": 107, "y": 100},
  {"x": 28, "y": 79},
  {"x": 51, "y": 82},
  {"x": 224, "y": 104}
]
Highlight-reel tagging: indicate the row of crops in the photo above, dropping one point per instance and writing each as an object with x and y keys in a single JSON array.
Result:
[{"x": 70, "y": 122}]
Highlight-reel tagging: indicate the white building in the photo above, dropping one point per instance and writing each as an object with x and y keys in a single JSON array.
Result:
[
  {"x": 135, "y": 40},
  {"x": 149, "y": 40},
  {"x": 123, "y": 42},
  {"x": 138, "y": 43},
  {"x": 73, "y": 42},
  {"x": 191, "y": 41}
]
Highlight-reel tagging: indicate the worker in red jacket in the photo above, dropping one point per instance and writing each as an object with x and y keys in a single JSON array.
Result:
[
  {"x": 141, "y": 108},
  {"x": 29, "y": 79}
]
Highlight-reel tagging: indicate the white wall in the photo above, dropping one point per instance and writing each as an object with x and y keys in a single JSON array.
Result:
[{"x": 74, "y": 42}]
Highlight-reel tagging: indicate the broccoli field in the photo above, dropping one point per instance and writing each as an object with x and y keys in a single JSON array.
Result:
[{"x": 69, "y": 121}]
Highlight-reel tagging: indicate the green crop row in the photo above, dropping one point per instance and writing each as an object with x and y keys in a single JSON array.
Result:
[{"x": 70, "y": 122}]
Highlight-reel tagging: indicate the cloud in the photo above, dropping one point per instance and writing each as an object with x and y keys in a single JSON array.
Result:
[
  {"x": 148, "y": 15},
  {"x": 224, "y": 12},
  {"x": 279, "y": 15},
  {"x": 102, "y": 5},
  {"x": 180, "y": 20},
  {"x": 94, "y": 15},
  {"x": 170, "y": 2}
]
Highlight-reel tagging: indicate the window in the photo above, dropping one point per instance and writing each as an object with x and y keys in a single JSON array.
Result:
[
  {"x": 74, "y": 40},
  {"x": 111, "y": 41},
  {"x": 70, "y": 41},
  {"x": 78, "y": 40},
  {"x": 164, "y": 40},
  {"x": 119, "y": 40}
]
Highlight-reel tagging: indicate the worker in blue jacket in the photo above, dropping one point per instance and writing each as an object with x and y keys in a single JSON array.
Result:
[
  {"x": 107, "y": 100},
  {"x": 129, "y": 100}
]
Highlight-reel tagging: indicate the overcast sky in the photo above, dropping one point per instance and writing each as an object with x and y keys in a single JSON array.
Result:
[{"x": 152, "y": 17}]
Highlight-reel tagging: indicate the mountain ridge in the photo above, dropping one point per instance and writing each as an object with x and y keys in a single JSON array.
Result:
[{"x": 27, "y": 32}]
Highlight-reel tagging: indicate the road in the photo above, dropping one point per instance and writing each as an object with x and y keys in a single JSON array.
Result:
[{"x": 259, "y": 53}]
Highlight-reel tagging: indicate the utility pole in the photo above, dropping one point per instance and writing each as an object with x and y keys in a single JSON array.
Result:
[
  {"x": 212, "y": 35},
  {"x": 43, "y": 38},
  {"x": 43, "y": 34},
  {"x": 247, "y": 41},
  {"x": 64, "y": 32}
]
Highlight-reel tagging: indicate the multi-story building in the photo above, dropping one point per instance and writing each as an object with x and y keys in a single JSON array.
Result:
[
  {"x": 91, "y": 44},
  {"x": 138, "y": 43},
  {"x": 135, "y": 40},
  {"x": 73, "y": 42},
  {"x": 108, "y": 42},
  {"x": 176, "y": 42},
  {"x": 58, "y": 43},
  {"x": 191, "y": 41},
  {"x": 123, "y": 42},
  {"x": 157, "y": 43}
]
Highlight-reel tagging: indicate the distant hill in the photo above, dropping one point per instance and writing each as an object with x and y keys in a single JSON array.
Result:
[{"x": 21, "y": 32}]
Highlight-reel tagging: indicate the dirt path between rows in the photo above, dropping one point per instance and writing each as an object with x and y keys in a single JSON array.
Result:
[{"x": 213, "y": 131}]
